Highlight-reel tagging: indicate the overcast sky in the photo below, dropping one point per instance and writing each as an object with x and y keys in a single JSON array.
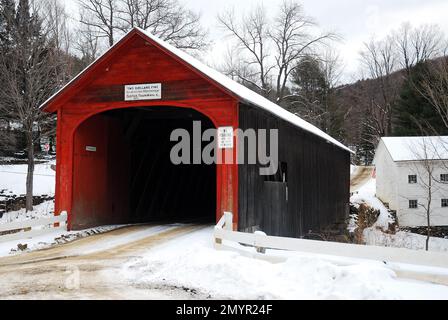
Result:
[{"x": 355, "y": 20}]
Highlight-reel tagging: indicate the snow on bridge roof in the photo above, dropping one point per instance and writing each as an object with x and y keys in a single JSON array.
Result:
[
  {"x": 417, "y": 148},
  {"x": 239, "y": 90}
]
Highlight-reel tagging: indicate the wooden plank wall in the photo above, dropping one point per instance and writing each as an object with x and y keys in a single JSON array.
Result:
[{"x": 318, "y": 182}]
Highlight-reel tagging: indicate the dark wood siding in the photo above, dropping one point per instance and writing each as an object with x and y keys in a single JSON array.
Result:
[{"x": 318, "y": 186}]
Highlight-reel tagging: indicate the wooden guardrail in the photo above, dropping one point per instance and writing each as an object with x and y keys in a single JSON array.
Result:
[
  {"x": 419, "y": 265},
  {"x": 31, "y": 228}
]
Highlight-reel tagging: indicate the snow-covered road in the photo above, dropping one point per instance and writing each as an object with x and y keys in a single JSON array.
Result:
[
  {"x": 360, "y": 177},
  {"x": 89, "y": 268},
  {"x": 179, "y": 262}
]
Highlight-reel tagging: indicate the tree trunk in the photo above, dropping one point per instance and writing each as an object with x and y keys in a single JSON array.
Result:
[
  {"x": 30, "y": 173},
  {"x": 428, "y": 235},
  {"x": 428, "y": 210}
]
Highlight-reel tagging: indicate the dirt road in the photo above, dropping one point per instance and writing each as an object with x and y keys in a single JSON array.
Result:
[
  {"x": 89, "y": 268},
  {"x": 360, "y": 177}
]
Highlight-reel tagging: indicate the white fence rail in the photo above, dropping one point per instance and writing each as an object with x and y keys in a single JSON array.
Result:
[
  {"x": 31, "y": 228},
  {"x": 419, "y": 265}
]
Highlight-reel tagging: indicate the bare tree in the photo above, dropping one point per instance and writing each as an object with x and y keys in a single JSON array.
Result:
[
  {"x": 87, "y": 44},
  {"x": 167, "y": 19},
  {"x": 101, "y": 16},
  {"x": 425, "y": 168},
  {"x": 380, "y": 61},
  {"x": 233, "y": 66},
  {"x": 29, "y": 70},
  {"x": 418, "y": 44},
  {"x": 56, "y": 21},
  {"x": 252, "y": 37},
  {"x": 435, "y": 87},
  {"x": 272, "y": 50},
  {"x": 293, "y": 38}
]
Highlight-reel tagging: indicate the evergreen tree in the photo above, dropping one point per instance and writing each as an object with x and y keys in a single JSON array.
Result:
[
  {"x": 314, "y": 98},
  {"x": 7, "y": 23},
  {"x": 413, "y": 114},
  {"x": 365, "y": 151},
  {"x": 28, "y": 70},
  {"x": 7, "y": 29}
]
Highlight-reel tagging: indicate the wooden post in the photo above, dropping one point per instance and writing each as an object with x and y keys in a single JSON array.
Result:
[
  {"x": 257, "y": 235},
  {"x": 228, "y": 221}
]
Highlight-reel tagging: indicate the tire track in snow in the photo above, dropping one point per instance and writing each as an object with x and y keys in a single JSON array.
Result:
[{"x": 43, "y": 274}]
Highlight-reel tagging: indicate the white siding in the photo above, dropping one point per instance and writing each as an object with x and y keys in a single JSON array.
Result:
[
  {"x": 417, "y": 217},
  {"x": 386, "y": 188},
  {"x": 393, "y": 188}
]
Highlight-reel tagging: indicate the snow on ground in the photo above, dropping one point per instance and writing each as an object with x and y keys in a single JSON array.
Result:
[
  {"x": 13, "y": 179},
  {"x": 35, "y": 243},
  {"x": 42, "y": 211},
  {"x": 375, "y": 237},
  {"x": 50, "y": 239},
  {"x": 192, "y": 262},
  {"x": 366, "y": 195},
  {"x": 403, "y": 239}
]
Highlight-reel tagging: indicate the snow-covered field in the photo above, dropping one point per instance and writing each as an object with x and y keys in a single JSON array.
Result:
[
  {"x": 374, "y": 236},
  {"x": 192, "y": 262},
  {"x": 13, "y": 179}
]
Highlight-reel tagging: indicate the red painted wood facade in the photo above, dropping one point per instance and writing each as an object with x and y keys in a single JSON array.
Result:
[{"x": 134, "y": 60}]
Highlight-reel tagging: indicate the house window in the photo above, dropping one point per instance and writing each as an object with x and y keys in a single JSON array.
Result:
[
  {"x": 444, "y": 203},
  {"x": 412, "y": 179},
  {"x": 413, "y": 204},
  {"x": 444, "y": 177}
]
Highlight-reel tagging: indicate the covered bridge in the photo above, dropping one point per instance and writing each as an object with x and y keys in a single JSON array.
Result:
[{"x": 113, "y": 148}]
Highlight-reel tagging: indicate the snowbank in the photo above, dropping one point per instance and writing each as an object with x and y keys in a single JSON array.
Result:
[
  {"x": 13, "y": 179},
  {"x": 402, "y": 239},
  {"x": 35, "y": 243},
  {"x": 192, "y": 262},
  {"x": 376, "y": 237},
  {"x": 50, "y": 239},
  {"x": 367, "y": 196},
  {"x": 44, "y": 210}
]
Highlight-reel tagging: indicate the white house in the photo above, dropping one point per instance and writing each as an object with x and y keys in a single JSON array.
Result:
[{"x": 412, "y": 176}]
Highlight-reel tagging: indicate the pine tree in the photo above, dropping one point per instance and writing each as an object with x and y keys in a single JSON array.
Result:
[
  {"x": 23, "y": 12},
  {"x": 366, "y": 149},
  {"x": 7, "y": 29},
  {"x": 315, "y": 97},
  {"x": 28, "y": 76},
  {"x": 7, "y": 16},
  {"x": 413, "y": 114}
]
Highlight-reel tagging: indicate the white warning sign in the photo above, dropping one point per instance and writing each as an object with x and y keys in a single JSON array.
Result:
[
  {"x": 225, "y": 138},
  {"x": 137, "y": 92}
]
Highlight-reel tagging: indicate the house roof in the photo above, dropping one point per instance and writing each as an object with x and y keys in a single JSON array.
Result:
[
  {"x": 245, "y": 94},
  {"x": 417, "y": 148}
]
